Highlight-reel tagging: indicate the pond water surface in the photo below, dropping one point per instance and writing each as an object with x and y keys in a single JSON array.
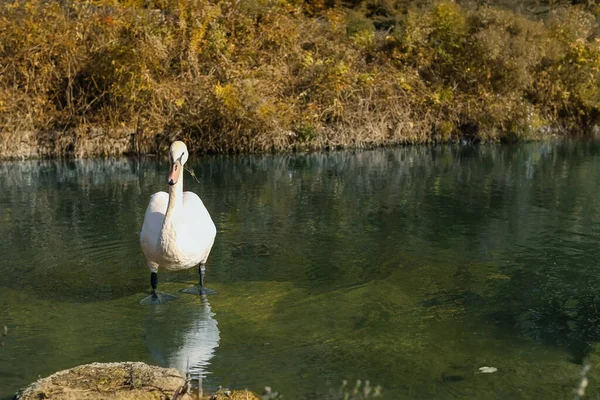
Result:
[{"x": 408, "y": 267}]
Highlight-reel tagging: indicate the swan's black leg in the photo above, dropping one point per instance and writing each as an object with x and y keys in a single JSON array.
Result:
[
  {"x": 202, "y": 272},
  {"x": 200, "y": 288},
  {"x": 153, "y": 281},
  {"x": 156, "y": 297}
]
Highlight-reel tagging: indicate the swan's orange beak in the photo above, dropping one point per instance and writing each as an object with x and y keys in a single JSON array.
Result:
[{"x": 174, "y": 174}]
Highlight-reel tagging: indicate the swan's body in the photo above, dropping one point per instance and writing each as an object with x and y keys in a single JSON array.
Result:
[
  {"x": 178, "y": 232},
  {"x": 182, "y": 241}
]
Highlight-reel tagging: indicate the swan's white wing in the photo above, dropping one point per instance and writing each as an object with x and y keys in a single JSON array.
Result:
[
  {"x": 200, "y": 228},
  {"x": 153, "y": 221}
]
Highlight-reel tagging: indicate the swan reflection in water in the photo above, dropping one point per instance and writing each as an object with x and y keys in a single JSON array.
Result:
[{"x": 184, "y": 338}]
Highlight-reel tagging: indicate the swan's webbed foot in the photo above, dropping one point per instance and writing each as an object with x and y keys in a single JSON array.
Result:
[
  {"x": 156, "y": 297},
  {"x": 200, "y": 289}
]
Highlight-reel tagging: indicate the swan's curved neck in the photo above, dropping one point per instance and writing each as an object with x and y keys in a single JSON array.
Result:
[
  {"x": 168, "y": 230},
  {"x": 175, "y": 198}
]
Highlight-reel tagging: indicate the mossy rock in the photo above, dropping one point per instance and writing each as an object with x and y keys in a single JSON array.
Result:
[
  {"x": 122, "y": 381},
  {"x": 125, "y": 380}
]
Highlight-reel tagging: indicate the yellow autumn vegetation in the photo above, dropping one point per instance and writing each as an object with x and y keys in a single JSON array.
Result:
[{"x": 278, "y": 75}]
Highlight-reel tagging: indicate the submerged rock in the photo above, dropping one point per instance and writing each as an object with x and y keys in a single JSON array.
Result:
[{"x": 122, "y": 381}]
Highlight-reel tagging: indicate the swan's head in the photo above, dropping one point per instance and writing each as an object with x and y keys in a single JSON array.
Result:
[{"x": 178, "y": 155}]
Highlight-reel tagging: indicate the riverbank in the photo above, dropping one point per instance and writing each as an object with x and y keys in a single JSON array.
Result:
[{"x": 107, "y": 78}]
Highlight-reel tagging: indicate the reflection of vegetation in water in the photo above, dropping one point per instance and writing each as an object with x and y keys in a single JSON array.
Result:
[
  {"x": 409, "y": 267},
  {"x": 500, "y": 216},
  {"x": 68, "y": 220}
]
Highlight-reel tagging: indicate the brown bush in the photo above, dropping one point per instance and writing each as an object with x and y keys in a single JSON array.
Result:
[{"x": 253, "y": 75}]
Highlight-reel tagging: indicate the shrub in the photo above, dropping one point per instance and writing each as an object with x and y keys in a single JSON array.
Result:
[{"x": 257, "y": 75}]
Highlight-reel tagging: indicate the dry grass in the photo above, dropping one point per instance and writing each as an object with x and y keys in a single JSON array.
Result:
[{"x": 111, "y": 77}]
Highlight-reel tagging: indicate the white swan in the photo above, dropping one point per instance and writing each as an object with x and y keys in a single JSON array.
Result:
[{"x": 178, "y": 232}]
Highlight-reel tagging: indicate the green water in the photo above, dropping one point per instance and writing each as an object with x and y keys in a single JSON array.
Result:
[{"x": 410, "y": 267}]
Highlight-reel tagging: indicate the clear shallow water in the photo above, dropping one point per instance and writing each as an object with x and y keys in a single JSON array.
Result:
[{"x": 410, "y": 267}]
